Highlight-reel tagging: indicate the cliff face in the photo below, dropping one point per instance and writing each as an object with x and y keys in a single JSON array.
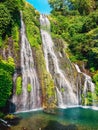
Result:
[
  {"x": 12, "y": 48},
  {"x": 40, "y": 69}
]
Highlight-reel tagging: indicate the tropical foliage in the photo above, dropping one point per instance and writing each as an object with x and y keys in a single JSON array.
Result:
[
  {"x": 9, "y": 39},
  {"x": 76, "y": 21},
  {"x": 6, "y": 71},
  {"x": 9, "y": 16},
  {"x": 79, "y": 30}
]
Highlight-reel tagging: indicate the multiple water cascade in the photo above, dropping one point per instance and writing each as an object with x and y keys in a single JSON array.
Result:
[
  {"x": 70, "y": 82},
  {"x": 64, "y": 88},
  {"x": 30, "y": 98}
]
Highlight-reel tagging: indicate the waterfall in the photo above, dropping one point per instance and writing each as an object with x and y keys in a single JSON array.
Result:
[
  {"x": 64, "y": 88},
  {"x": 31, "y": 99},
  {"x": 70, "y": 83},
  {"x": 87, "y": 83}
]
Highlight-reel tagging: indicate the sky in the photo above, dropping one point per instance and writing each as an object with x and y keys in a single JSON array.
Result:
[{"x": 41, "y": 5}]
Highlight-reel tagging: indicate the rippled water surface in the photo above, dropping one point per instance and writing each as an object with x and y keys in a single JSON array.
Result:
[{"x": 62, "y": 119}]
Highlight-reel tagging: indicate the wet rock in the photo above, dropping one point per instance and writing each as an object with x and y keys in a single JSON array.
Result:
[{"x": 4, "y": 125}]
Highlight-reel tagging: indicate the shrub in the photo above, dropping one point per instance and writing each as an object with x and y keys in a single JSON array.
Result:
[
  {"x": 8, "y": 65},
  {"x": 5, "y": 87},
  {"x": 88, "y": 25},
  {"x": 19, "y": 85},
  {"x": 95, "y": 78}
]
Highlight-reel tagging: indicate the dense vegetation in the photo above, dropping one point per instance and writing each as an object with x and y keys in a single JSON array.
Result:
[
  {"x": 76, "y": 21},
  {"x": 78, "y": 29},
  {"x": 6, "y": 71},
  {"x": 9, "y": 16},
  {"x": 9, "y": 44}
]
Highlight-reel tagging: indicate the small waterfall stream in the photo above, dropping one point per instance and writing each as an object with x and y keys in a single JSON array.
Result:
[
  {"x": 32, "y": 99},
  {"x": 88, "y": 84},
  {"x": 64, "y": 89}
]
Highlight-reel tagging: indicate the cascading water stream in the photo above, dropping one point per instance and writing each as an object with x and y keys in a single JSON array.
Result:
[
  {"x": 31, "y": 99},
  {"x": 88, "y": 84},
  {"x": 70, "y": 82},
  {"x": 64, "y": 89}
]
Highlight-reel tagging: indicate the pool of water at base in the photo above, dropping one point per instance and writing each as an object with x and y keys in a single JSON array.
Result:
[{"x": 63, "y": 119}]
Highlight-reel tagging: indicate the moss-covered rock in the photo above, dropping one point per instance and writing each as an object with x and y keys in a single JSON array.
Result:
[
  {"x": 29, "y": 88},
  {"x": 46, "y": 81},
  {"x": 18, "y": 85}
]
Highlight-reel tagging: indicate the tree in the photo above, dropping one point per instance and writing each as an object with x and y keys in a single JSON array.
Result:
[
  {"x": 13, "y": 5},
  {"x": 83, "y": 6},
  {"x": 93, "y": 58},
  {"x": 58, "y": 5},
  {"x": 5, "y": 18}
]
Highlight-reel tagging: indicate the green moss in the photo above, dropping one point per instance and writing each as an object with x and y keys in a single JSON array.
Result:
[
  {"x": 62, "y": 89},
  {"x": 29, "y": 88},
  {"x": 11, "y": 61},
  {"x": 8, "y": 65},
  {"x": 46, "y": 81},
  {"x": 9, "y": 116},
  {"x": 49, "y": 85},
  {"x": 19, "y": 85}
]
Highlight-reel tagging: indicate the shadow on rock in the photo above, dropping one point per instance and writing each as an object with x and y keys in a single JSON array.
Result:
[
  {"x": 54, "y": 125},
  {"x": 14, "y": 121}
]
